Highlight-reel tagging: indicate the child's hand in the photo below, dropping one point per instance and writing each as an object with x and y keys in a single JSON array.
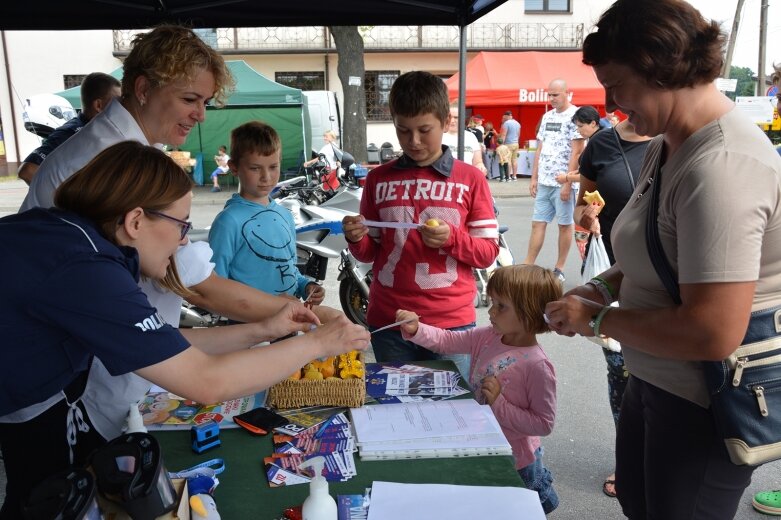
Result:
[
  {"x": 354, "y": 228},
  {"x": 315, "y": 293},
  {"x": 435, "y": 236},
  {"x": 491, "y": 389},
  {"x": 410, "y": 327}
]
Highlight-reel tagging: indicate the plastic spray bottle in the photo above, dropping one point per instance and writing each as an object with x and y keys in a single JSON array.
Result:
[
  {"x": 135, "y": 423},
  {"x": 319, "y": 505}
]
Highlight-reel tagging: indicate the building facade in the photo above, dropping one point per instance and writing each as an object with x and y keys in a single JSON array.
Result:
[{"x": 38, "y": 62}]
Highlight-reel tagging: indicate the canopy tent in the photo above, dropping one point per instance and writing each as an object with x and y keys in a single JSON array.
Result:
[
  {"x": 142, "y": 14},
  {"x": 255, "y": 97},
  {"x": 518, "y": 81}
]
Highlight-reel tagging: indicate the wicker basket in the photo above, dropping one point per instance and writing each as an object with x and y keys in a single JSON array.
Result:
[{"x": 306, "y": 392}]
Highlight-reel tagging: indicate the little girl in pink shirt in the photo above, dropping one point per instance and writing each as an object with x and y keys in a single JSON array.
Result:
[{"x": 509, "y": 370}]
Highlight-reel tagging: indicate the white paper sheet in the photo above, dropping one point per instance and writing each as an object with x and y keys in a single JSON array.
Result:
[
  {"x": 421, "y": 420},
  {"x": 392, "y": 501},
  {"x": 394, "y": 225}
]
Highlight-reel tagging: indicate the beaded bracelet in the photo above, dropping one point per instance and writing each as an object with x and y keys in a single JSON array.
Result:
[
  {"x": 602, "y": 290},
  {"x": 606, "y": 284}
]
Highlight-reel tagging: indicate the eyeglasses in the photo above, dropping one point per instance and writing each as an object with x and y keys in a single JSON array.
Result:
[{"x": 186, "y": 226}]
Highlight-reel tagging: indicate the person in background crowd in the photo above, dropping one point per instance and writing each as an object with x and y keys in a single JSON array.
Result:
[
  {"x": 328, "y": 151},
  {"x": 588, "y": 123},
  {"x": 719, "y": 222},
  {"x": 489, "y": 147},
  {"x": 221, "y": 159},
  {"x": 473, "y": 150},
  {"x": 603, "y": 168},
  {"x": 510, "y": 137},
  {"x": 775, "y": 81},
  {"x": 558, "y": 148},
  {"x": 97, "y": 91},
  {"x": 475, "y": 126}
]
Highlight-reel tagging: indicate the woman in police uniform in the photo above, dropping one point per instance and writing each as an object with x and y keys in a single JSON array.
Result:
[{"x": 75, "y": 295}]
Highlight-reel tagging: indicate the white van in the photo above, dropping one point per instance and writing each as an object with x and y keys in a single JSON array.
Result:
[{"x": 322, "y": 110}]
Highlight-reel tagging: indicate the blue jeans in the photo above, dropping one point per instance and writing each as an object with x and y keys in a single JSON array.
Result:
[
  {"x": 539, "y": 478},
  {"x": 388, "y": 345}
]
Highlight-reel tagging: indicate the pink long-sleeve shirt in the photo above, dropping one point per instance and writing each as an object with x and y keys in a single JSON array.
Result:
[{"x": 526, "y": 406}]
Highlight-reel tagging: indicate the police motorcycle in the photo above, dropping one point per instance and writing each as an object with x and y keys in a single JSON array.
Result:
[
  {"x": 503, "y": 259},
  {"x": 319, "y": 237}
]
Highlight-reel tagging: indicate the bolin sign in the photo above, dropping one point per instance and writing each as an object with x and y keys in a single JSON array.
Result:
[{"x": 539, "y": 95}]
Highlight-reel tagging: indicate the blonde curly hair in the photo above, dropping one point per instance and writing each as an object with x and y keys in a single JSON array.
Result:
[{"x": 169, "y": 53}]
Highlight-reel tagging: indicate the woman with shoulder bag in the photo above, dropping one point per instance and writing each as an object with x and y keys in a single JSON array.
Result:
[{"x": 708, "y": 197}]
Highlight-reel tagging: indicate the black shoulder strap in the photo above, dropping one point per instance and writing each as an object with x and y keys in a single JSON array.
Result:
[
  {"x": 663, "y": 268},
  {"x": 623, "y": 156}
]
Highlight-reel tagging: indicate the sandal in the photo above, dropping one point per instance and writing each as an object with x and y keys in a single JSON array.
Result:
[{"x": 609, "y": 487}]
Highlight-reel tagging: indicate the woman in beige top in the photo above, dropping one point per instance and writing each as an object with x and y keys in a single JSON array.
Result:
[{"x": 719, "y": 221}]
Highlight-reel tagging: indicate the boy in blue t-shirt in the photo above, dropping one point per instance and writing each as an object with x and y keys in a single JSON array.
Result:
[{"x": 253, "y": 237}]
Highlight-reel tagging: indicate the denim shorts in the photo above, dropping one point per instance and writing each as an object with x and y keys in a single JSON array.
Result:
[{"x": 548, "y": 204}]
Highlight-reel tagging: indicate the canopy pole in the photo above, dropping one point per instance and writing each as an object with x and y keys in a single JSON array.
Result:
[{"x": 461, "y": 90}]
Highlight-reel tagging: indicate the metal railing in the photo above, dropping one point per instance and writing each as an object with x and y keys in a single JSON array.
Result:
[{"x": 495, "y": 36}]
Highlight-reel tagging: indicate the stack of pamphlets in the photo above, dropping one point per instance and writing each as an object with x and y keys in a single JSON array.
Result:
[
  {"x": 431, "y": 429},
  {"x": 332, "y": 439},
  {"x": 162, "y": 410},
  {"x": 301, "y": 419},
  {"x": 394, "y": 382}
]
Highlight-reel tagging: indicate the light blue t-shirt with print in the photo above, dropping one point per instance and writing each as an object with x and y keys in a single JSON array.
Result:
[{"x": 256, "y": 245}]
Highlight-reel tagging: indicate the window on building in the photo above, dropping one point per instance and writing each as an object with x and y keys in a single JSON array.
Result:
[
  {"x": 307, "y": 80},
  {"x": 209, "y": 36},
  {"x": 72, "y": 80},
  {"x": 548, "y": 6},
  {"x": 377, "y": 85}
]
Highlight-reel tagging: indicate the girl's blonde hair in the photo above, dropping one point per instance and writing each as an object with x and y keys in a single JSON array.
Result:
[
  {"x": 530, "y": 288},
  {"x": 170, "y": 53},
  {"x": 123, "y": 177}
]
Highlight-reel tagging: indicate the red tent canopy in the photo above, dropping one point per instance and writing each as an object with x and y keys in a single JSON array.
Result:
[{"x": 518, "y": 81}]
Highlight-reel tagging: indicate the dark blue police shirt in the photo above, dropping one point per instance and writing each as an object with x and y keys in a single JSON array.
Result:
[
  {"x": 60, "y": 135},
  {"x": 70, "y": 294}
]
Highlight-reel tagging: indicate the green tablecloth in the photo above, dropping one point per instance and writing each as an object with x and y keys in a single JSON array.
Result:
[{"x": 244, "y": 491}]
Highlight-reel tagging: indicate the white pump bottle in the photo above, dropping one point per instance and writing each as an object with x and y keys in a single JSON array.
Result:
[{"x": 319, "y": 505}]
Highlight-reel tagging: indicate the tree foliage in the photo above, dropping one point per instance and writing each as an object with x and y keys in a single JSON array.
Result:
[{"x": 745, "y": 77}]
